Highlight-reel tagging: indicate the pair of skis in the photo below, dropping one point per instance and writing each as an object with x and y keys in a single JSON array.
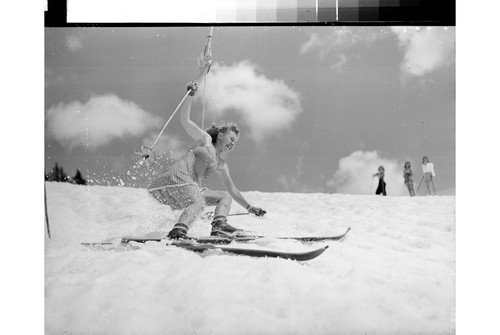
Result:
[
  {"x": 201, "y": 244},
  {"x": 225, "y": 240}
]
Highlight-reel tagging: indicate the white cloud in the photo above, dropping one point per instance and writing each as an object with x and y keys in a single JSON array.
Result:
[
  {"x": 425, "y": 49},
  {"x": 335, "y": 42},
  {"x": 73, "y": 43},
  {"x": 354, "y": 174},
  {"x": 341, "y": 37},
  {"x": 267, "y": 106},
  {"x": 318, "y": 43},
  {"x": 97, "y": 122}
]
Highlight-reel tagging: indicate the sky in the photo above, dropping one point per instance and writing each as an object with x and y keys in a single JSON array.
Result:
[{"x": 319, "y": 108}]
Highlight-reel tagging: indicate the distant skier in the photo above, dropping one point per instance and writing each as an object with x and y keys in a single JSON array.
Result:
[
  {"x": 181, "y": 185},
  {"x": 381, "y": 189},
  {"x": 408, "y": 178},
  {"x": 429, "y": 174}
]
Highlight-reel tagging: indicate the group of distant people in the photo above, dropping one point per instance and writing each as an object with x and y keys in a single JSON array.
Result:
[{"x": 427, "y": 177}]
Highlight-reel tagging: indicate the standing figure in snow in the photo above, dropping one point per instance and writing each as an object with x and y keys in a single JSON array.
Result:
[
  {"x": 381, "y": 183},
  {"x": 181, "y": 185},
  {"x": 429, "y": 174},
  {"x": 408, "y": 177}
]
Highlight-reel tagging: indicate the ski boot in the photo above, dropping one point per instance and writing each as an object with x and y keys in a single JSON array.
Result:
[
  {"x": 178, "y": 232},
  {"x": 221, "y": 228}
]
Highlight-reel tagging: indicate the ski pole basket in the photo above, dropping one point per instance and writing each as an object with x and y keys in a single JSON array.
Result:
[{"x": 145, "y": 157}]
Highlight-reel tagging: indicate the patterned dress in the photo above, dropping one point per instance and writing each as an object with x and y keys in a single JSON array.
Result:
[{"x": 182, "y": 181}]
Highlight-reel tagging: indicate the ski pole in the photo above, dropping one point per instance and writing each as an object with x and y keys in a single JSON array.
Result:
[
  {"x": 147, "y": 152},
  {"x": 418, "y": 188},
  {"x": 205, "y": 68},
  {"x": 205, "y": 65},
  {"x": 46, "y": 214},
  {"x": 371, "y": 186},
  {"x": 210, "y": 215}
]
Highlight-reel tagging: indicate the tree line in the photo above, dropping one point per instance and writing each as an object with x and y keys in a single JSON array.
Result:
[{"x": 57, "y": 174}]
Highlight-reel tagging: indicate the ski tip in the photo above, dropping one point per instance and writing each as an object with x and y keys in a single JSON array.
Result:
[
  {"x": 322, "y": 249},
  {"x": 312, "y": 254},
  {"x": 343, "y": 236}
]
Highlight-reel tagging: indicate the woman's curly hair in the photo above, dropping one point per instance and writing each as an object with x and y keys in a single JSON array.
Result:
[{"x": 221, "y": 127}]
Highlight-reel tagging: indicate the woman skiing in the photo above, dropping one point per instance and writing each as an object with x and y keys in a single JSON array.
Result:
[
  {"x": 429, "y": 174},
  {"x": 181, "y": 185},
  {"x": 381, "y": 182},
  {"x": 408, "y": 177}
]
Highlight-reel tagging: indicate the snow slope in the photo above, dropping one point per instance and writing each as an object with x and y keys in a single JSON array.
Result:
[{"x": 393, "y": 274}]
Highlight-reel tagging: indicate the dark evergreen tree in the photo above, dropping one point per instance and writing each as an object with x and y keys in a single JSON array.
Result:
[
  {"x": 56, "y": 173},
  {"x": 78, "y": 178},
  {"x": 51, "y": 176},
  {"x": 62, "y": 175}
]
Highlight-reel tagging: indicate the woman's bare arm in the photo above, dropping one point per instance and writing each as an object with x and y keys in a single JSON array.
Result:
[
  {"x": 227, "y": 182},
  {"x": 225, "y": 178},
  {"x": 191, "y": 128}
]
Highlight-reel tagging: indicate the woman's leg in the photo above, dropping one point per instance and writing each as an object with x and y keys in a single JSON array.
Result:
[
  {"x": 428, "y": 185},
  {"x": 379, "y": 188},
  {"x": 188, "y": 197},
  {"x": 191, "y": 213},
  {"x": 221, "y": 199}
]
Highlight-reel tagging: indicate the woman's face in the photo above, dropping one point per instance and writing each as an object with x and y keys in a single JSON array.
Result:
[
  {"x": 425, "y": 160},
  {"x": 227, "y": 140}
]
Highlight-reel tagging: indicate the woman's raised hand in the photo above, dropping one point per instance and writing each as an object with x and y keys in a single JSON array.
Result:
[{"x": 192, "y": 87}]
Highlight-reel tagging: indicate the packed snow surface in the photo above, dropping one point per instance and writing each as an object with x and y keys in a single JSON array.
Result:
[{"x": 394, "y": 273}]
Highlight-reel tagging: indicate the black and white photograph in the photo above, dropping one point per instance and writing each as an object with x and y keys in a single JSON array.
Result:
[
  {"x": 250, "y": 179},
  {"x": 278, "y": 167}
]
